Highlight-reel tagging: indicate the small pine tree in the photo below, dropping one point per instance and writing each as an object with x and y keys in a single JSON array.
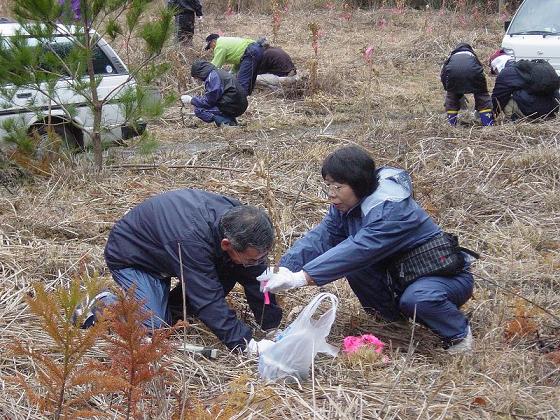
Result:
[
  {"x": 136, "y": 358},
  {"x": 36, "y": 59}
]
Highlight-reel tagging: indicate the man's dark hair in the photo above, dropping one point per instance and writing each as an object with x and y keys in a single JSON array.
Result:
[
  {"x": 351, "y": 165},
  {"x": 247, "y": 226}
]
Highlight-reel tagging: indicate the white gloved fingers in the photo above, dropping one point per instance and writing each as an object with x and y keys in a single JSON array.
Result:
[
  {"x": 285, "y": 280},
  {"x": 252, "y": 347},
  {"x": 265, "y": 275},
  {"x": 186, "y": 99}
]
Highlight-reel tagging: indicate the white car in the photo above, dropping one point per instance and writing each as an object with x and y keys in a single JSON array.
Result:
[
  {"x": 534, "y": 32},
  {"x": 31, "y": 108}
]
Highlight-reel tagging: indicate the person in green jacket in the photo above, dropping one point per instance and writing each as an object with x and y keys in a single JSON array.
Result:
[{"x": 243, "y": 54}]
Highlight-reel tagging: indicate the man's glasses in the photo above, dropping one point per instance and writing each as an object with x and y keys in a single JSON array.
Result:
[{"x": 251, "y": 262}]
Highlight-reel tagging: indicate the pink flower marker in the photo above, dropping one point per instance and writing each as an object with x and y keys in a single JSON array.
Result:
[{"x": 352, "y": 344}]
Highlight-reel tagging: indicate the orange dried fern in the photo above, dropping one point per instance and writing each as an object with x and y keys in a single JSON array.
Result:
[
  {"x": 521, "y": 325},
  {"x": 64, "y": 383}
]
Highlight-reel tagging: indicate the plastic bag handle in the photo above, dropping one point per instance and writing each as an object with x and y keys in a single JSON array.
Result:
[{"x": 328, "y": 317}]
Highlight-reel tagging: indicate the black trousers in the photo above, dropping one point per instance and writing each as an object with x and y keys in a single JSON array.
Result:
[{"x": 184, "y": 23}]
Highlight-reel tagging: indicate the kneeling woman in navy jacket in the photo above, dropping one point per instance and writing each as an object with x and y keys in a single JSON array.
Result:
[{"x": 372, "y": 222}]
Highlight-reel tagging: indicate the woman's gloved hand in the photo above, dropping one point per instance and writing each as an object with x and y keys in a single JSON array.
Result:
[{"x": 284, "y": 279}]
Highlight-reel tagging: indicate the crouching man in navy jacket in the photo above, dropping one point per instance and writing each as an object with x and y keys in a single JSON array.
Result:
[
  {"x": 372, "y": 219},
  {"x": 209, "y": 240}
]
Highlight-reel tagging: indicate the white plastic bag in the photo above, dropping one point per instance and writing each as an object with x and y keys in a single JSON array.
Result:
[{"x": 298, "y": 344}]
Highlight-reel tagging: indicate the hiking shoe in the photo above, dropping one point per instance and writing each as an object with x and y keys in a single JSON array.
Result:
[
  {"x": 463, "y": 346},
  {"x": 91, "y": 309}
]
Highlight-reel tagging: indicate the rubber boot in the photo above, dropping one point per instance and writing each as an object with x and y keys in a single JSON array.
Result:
[
  {"x": 452, "y": 117},
  {"x": 486, "y": 117}
]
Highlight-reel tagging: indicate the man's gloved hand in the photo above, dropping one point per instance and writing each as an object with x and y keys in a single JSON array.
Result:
[
  {"x": 186, "y": 99},
  {"x": 254, "y": 348},
  {"x": 283, "y": 280}
]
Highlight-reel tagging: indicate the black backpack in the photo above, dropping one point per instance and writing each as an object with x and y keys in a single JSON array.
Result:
[{"x": 540, "y": 76}]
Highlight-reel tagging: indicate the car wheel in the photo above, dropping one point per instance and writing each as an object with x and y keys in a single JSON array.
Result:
[{"x": 61, "y": 141}]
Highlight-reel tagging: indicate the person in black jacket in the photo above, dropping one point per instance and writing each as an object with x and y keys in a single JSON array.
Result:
[
  {"x": 276, "y": 61},
  {"x": 209, "y": 241},
  {"x": 185, "y": 10},
  {"x": 524, "y": 89},
  {"x": 224, "y": 98},
  {"x": 463, "y": 73}
]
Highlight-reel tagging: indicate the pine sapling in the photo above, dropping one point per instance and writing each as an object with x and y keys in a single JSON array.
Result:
[
  {"x": 313, "y": 64},
  {"x": 136, "y": 357}
]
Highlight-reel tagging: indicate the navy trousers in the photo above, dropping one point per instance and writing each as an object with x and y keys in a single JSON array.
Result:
[
  {"x": 435, "y": 300},
  {"x": 213, "y": 114},
  {"x": 248, "y": 67}
]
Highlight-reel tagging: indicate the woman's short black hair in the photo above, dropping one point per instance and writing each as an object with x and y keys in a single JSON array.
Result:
[{"x": 351, "y": 165}]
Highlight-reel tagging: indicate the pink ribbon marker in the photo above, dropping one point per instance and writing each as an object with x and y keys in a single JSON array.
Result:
[{"x": 266, "y": 295}]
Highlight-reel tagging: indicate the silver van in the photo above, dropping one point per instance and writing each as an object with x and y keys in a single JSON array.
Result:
[{"x": 534, "y": 32}]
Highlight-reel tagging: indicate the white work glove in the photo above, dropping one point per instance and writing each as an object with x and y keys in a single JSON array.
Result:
[
  {"x": 200, "y": 19},
  {"x": 283, "y": 280},
  {"x": 186, "y": 99},
  {"x": 254, "y": 348}
]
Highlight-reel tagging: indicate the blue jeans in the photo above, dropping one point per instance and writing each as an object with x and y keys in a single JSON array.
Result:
[
  {"x": 436, "y": 300},
  {"x": 162, "y": 302},
  {"x": 248, "y": 67},
  {"x": 151, "y": 290}
]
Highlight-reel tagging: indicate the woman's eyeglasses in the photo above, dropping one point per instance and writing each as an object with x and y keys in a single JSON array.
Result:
[{"x": 331, "y": 189}]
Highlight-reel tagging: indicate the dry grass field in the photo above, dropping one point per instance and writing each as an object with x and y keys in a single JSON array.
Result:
[{"x": 498, "y": 187}]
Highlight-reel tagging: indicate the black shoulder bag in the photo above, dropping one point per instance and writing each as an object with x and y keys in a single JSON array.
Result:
[{"x": 440, "y": 256}]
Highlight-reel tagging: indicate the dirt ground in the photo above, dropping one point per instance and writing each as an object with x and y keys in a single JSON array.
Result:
[{"x": 497, "y": 187}]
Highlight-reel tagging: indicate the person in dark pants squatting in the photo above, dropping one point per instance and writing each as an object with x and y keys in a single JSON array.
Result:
[
  {"x": 373, "y": 227},
  {"x": 185, "y": 11},
  {"x": 524, "y": 89},
  {"x": 224, "y": 99},
  {"x": 463, "y": 73},
  {"x": 213, "y": 241},
  {"x": 243, "y": 54}
]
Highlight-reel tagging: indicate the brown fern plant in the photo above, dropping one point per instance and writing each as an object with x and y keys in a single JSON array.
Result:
[
  {"x": 136, "y": 357},
  {"x": 64, "y": 381}
]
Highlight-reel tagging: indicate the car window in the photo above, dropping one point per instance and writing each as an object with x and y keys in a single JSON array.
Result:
[
  {"x": 538, "y": 17},
  {"x": 101, "y": 63},
  {"x": 62, "y": 48}
]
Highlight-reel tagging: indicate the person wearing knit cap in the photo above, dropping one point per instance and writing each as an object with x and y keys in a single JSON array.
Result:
[
  {"x": 224, "y": 99},
  {"x": 524, "y": 89},
  {"x": 463, "y": 73}
]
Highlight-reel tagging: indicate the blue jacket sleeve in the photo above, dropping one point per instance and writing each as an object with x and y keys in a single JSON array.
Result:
[
  {"x": 385, "y": 233},
  {"x": 206, "y": 294},
  {"x": 507, "y": 82},
  {"x": 317, "y": 241},
  {"x": 213, "y": 92}
]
